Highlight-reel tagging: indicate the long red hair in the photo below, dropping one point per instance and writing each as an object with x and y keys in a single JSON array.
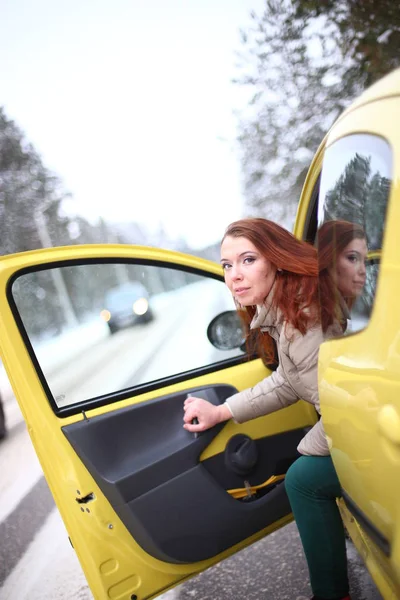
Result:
[{"x": 296, "y": 292}]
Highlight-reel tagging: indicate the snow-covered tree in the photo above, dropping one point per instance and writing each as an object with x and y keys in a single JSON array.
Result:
[{"x": 302, "y": 63}]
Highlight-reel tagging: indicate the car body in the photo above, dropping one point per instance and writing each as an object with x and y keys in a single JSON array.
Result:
[
  {"x": 126, "y": 304},
  {"x": 146, "y": 503}
]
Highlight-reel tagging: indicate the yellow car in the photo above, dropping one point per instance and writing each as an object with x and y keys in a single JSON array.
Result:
[
  {"x": 147, "y": 504},
  {"x": 355, "y": 177}
]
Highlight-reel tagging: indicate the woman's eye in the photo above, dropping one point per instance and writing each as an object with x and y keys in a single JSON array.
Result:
[
  {"x": 248, "y": 260},
  {"x": 352, "y": 258},
  {"x": 225, "y": 266}
]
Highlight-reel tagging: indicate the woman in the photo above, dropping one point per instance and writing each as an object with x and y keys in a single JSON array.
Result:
[{"x": 274, "y": 280}]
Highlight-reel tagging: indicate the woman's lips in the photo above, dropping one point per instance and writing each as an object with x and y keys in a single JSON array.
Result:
[{"x": 240, "y": 291}]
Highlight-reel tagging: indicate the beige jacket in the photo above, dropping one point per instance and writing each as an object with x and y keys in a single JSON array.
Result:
[{"x": 296, "y": 376}]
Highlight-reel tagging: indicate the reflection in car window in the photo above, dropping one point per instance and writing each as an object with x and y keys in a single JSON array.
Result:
[
  {"x": 355, "y": 186},
  {"x": 99, "y": 328}
]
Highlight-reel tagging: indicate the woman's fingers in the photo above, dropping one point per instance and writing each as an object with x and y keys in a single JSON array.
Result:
[
  {"x": 206, "y": 414},
  {"x": 191, "y": 411},
  {"x": 188, "y": 401},
  {"x": 199, "y": 409},
  {"x": 194, "y": 427}
]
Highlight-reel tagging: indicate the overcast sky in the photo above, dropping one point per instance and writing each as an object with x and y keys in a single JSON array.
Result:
[{"x": 130, "y": 103}]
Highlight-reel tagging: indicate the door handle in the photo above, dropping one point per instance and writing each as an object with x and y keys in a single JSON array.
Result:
[
  {"x": 389, "y": 424},
  {"x": 195, "y": 421}
]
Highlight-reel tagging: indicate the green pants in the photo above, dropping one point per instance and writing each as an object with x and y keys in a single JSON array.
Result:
[{"x": 312, "y": 487}]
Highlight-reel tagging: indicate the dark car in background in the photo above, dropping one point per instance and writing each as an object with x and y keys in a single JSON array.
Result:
[{"x": 125, "y": 305}]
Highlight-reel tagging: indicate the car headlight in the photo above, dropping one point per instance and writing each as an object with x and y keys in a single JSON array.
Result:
[
  {"x": 105, "y": 315},
  {"x": 140, "y": 307}
]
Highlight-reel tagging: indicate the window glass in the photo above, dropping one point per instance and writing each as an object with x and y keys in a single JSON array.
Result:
[
  {"x": 99, "y": 328},
  {"x": 355, "y": 186}
]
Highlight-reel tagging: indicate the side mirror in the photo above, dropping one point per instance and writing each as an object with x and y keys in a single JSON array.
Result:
[{"x": 225, "y": 331}]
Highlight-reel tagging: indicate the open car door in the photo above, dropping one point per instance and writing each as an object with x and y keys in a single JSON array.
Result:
[{"x": 101, "y": 384}]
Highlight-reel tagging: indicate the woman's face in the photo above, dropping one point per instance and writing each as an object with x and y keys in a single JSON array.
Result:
[
  {"x": 248, "y": 275},
  {"x": 350, "y": 268}
]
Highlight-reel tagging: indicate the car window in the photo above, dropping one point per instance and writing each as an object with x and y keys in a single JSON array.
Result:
[
  {"x": 97, "y": 329},
  {"x": 355, "y": 186}
]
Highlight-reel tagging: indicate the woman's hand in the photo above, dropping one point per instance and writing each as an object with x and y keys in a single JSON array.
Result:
[{"x": 207, "y": 414}]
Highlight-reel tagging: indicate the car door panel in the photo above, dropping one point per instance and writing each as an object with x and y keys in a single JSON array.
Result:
[
  {"x": 200, "y": 520},
  {"x": 135, "y": 449},
  {"x": 143, "y": 459}
]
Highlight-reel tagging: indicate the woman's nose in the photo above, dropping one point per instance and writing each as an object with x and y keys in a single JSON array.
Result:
[{"x": 236, "y": 273}]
